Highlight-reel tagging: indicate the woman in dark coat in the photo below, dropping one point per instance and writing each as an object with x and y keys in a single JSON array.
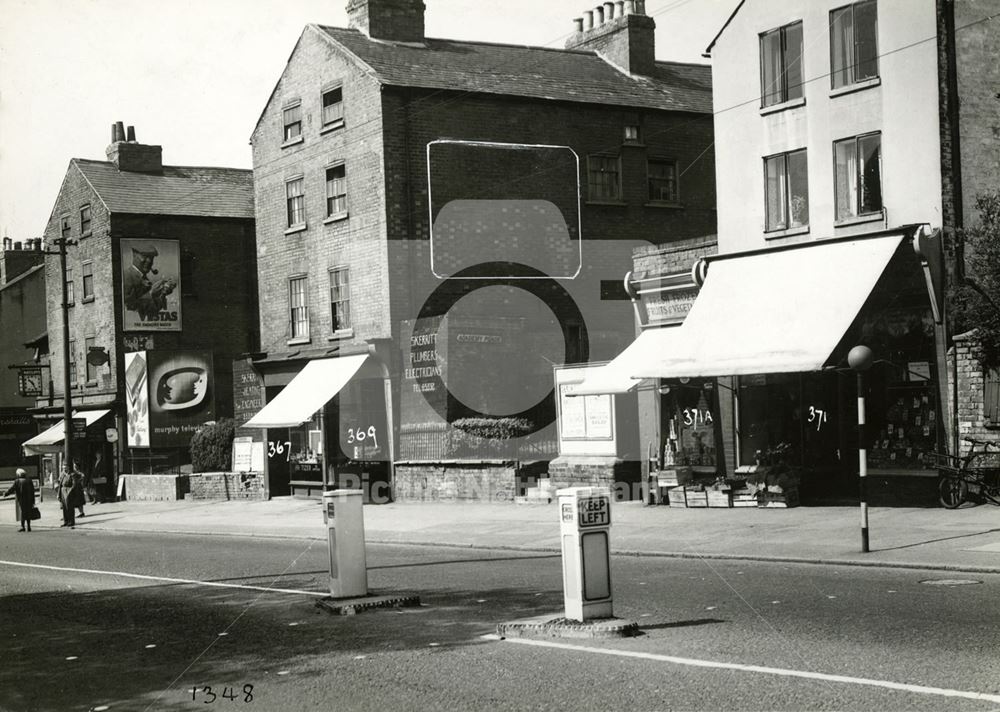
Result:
[{"x": 23, "y": 490}]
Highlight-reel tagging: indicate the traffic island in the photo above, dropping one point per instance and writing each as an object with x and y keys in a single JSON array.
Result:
[
  {"x": 353, "y": 606},
  {"x": 559, "y": 627}
]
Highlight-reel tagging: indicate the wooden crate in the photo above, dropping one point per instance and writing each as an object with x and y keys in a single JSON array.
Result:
[
  {"x": 697, "y": 499},
  {"x": 719, "y": 498},
  {"x": 677, "y": 497},
  {"x": 783, "y": 500}
]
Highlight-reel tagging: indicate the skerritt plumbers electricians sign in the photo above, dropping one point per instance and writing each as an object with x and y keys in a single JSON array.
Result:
[{"x": 151, "y": 295}]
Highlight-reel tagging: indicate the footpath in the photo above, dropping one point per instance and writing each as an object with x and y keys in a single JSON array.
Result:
[{"x": 966, "y": 539}]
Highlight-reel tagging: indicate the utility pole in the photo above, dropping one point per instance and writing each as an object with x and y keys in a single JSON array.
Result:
[{"x": 67, "y": 401}]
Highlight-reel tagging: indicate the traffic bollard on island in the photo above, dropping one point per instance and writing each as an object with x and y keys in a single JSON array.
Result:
[
  {"x": 585, "y": 523},
  {"x": 345, "y": 528}
]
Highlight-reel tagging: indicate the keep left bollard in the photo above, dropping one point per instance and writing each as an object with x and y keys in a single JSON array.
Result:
[
  {"x": 345, "y": 528},
  {"x": 584, "y": 528}
]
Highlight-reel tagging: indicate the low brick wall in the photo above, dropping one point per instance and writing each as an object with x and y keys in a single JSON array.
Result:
[
  {"x": 156, "y": 488},
  {"x": 227, "y": 485},
  {"x": 480, "y": 480},
  {"x": 622, "y": 476}
]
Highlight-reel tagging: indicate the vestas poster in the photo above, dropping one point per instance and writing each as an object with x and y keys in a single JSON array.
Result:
[{"x": 151, "y": 295}]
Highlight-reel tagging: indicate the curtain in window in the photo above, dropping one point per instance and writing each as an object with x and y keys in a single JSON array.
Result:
[
  {"x": 841, "y": 46},
  {"x": 798, "y": 189},
  {"x": 846, "y": 178},
  {"x": 775, "y": 186},
  {"x": 869, "y": 152}
]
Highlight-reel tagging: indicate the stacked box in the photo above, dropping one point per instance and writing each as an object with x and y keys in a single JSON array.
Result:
[
  {"x": 744, "y": 498},
  {"x": 697, "y": 498},
  {"x": 780, "y": 499},
  {"x": 719, "y": 498},
  {"x": 677, "y": 497}
]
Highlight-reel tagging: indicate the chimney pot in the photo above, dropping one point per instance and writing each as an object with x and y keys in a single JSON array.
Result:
[
  {"x": 620, "y": 8},
  {"x": 599, "y": 15},
  {"x": 130, "y": 136},
  {"x": 119, "y": 131},
  {"x": 629, "y": 7},
  {"x": 578, "y": 23},
  {"x": 7, "y": 243},
  {"x": 640, "y": 7},
  {"x": 609, "y": 11},
  {"x": 17, "y": 245},
  {"x": 588, "y": 20}
]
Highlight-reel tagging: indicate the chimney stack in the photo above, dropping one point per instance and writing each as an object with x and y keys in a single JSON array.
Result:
[
  {"x": 621, "y": 33},
  {"x": 392, "y": 20},
  {"x": 128, "y": 155}
]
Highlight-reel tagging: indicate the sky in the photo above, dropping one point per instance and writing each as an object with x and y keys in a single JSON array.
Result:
[{"x": 193, "y": 75}]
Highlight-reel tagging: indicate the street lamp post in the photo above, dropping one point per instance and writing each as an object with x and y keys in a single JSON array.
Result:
[{"x": 860, "y": 360}]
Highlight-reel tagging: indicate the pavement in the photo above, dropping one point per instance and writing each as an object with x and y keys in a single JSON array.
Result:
[{"x": 965, "y": 539}]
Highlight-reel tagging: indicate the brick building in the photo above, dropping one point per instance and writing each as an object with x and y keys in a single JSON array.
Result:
[
  {"x": 161, "y": 264},
  {"x": 852, "y": 139},
  {"x": 367, "y": 157},
  {"x": 22, "y": 324}
]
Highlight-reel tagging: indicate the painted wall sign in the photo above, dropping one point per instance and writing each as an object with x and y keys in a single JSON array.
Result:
[
  {"x": 136, "y": 399},
  {"x": 181, "y": 395}
]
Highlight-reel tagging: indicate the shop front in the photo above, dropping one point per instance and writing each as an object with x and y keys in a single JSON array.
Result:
[
  {"x": 326, "y": 424},
  {"x": 754, "y": 385},
  {"x": 91, "y": 450}
]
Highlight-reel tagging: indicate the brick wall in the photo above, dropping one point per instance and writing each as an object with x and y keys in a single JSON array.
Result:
[
  {"x": 623, "y": 477},
  {"x": 156, "y": 488},
  {"x": 227, "y": 485},
  {"x": 455, "y": 481},
  {"x": 971, "y": 417}
]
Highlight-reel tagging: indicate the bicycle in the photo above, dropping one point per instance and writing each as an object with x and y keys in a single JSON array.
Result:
[{"x": 963, "y": 479}]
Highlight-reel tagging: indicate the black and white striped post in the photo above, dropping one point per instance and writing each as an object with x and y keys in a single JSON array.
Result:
[{"x": 860, "y": 359}]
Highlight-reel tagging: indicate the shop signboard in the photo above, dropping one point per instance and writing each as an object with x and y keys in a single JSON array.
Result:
[
  {"x": 137, "y": 399},
  {"x": 665, "y": 300},
  {"x": 181, "y": 395},
  {"x": 151, "y": 295}
]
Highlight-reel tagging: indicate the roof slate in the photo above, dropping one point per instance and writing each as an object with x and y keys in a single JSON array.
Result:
[
  {"x": 180, "y": 190},
  {"x": 534, "y": 72}
]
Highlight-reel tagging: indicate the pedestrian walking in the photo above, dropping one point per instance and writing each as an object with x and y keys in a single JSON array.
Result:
[
  {"x": 84, "y": 482},
  {"x": 70, "y": 495},
  {"x": 23, "y": 490}
]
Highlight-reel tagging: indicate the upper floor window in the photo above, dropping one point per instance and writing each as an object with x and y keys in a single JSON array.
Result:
[
  {"x": 292, "y": 122},
  {"x": 632, "y": 133},
  {"x": 787, "y": 188},
  {"x": 853, "y": 43},
  {"x": 64, "y": 227},
  {"x": 604, "y": 177},
  {"x": 336, "y": 190},
  {"x": 85, "y": 220},
  {"x": 340, "y": 299},
  {"x": 781, "y": 64},
  {"x": 72, "y": 362},
  {"x": 87, "y": 270},
  {"x": 70, "y": 290},
  {"x": 333, "y": 105},
  {"x": 295, "y": 201},
  {"x": 298, "y": 309},
  {"x": 858, "y": 176},
  {"x": 991, "y": 396},
  {"x": 662, "y": 180},
  {"x": 89, "y": 343}
]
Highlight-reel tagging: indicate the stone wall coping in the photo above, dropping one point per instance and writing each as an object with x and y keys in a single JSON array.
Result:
[{"x": 455, "y": 462}]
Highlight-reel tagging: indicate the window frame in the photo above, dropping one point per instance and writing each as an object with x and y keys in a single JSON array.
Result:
[
  {"x": 286, "y": 139},
  {"x": 782, "y": 93},
  {"x": 591, "y": 197},
  {"x": 853, "y": 81},
  {"x": 788, "y": 193},
  {"x": 857, "y": 215},
  {"x": 659, "y": 160},
  {"x": 300, "y": 199},
  {"x": 86, "y": 220},
  {"x": 337, "y": 122},
  {"x": 345, "y": 300},
  {"x": 90, "y": 370},
  {"x": 342, "y": 213},
  {"x": 73, "y": 376},
  {"x": 70, "y": 286},
  {"x": 294, "y": 323},
  {"x": 87, "y": 280}
]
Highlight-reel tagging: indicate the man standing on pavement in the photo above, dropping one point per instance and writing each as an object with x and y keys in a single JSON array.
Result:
[{"x": 23, "y": 490}]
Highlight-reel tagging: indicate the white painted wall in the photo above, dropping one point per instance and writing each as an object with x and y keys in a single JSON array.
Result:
[{"x": 904, "y": 107}]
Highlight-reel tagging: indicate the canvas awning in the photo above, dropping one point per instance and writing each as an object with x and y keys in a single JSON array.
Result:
[
  {"x": 312, "y": 387},
  {"x": 617, "y": 376},
  {"x": 51, "y": 440},
  {"x": 775, "y": 311}
]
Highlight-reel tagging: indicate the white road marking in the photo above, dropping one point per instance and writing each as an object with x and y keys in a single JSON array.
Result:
[
  {"x": 165, "y": 579},
  {"x": 920, "y": 689}
]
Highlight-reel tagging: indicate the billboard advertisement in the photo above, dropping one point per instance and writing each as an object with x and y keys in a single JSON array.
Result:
[
  {"x": 181, "y": 394},
  {"x": 137, "y": 399},
  {"x": 151, "y": 295}
]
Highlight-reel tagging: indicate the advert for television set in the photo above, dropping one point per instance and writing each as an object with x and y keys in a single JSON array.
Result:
[{"x": 178, "y": 397}]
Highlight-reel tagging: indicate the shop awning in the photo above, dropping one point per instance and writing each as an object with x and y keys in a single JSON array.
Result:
[
  {"x": 774, "y": 311},
  {"x": 312, "y": 387},
  {"x": 616, "y": 376},
  {"x": 51, "y": 440}
]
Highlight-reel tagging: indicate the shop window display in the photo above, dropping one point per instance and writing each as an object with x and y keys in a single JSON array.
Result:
[{"x": 690, "y": 418}]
